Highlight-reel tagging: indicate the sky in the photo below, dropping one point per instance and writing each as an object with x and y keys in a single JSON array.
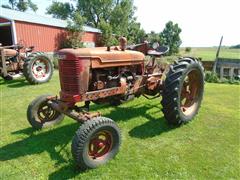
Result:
[{"x": 203, "y": 22}]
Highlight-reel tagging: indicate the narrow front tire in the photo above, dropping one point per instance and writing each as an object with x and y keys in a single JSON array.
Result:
[
  {"x": 96, "y": 142},
  {"x": 41, "y": 115}
]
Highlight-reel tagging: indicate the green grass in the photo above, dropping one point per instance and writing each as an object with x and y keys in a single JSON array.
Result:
[
  {"x": 209, "y": 54},
  {"x": 206, "y": 148}
]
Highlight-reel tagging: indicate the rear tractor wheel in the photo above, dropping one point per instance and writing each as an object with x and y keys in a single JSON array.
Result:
[
  {"x": 38, "y": 68},
  {"x": 96, "y": 142},
  {"x": 41, "y": 115},
  {"x": 183, "y": 91}
]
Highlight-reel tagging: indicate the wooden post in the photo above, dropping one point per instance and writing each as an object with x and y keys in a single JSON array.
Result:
[
  {"x": 231, "y": 73},
  {"x": 217, "y": 55},
  {"x": 221, "y": 72},
  {"x": 3, "y": 61}
]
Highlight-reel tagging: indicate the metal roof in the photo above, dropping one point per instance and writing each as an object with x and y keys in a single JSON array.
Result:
[{"x": 37, "y": 19}]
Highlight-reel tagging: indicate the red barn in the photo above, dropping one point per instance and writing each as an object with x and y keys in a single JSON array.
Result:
[{"x": 44, "y": 33}]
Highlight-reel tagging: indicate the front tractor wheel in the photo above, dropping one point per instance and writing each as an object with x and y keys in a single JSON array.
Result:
[
  {"x": 38, "y": 68},
  {"x": 183, "y": 91},
  {"x": 96, "y": 142},
  {"x": 41, "y": 115}
]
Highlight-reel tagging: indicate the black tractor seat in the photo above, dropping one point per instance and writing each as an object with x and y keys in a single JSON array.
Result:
[{"x": 159, "y": 51}]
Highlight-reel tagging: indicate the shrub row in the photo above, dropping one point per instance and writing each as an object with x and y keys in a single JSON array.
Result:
[{"x": 212, "y": 77}]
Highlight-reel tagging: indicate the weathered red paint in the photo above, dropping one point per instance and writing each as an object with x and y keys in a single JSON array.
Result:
[
  {"x": 45, "y": 38},
  {"x": 90, "y": 37},
  {"x": 3, "y": 20},
  {"x": 75, "y": 65}
]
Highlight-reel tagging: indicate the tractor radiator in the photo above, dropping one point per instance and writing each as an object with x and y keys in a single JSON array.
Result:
[{"x": 74, "y": 76}]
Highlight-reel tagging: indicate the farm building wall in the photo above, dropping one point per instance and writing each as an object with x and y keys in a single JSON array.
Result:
[
  {"x": 46, "y": 38},
  {"x": 3, "y": 20},
  {"x": 89, "y": 37}
]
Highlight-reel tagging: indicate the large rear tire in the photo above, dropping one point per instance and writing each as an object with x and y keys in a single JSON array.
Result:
[
  {"x": 38, "y": 68},
  {"x": 41, "y": 115},
  {"x": 183, "y": 91},
  {"x": 96, "y": 142}
]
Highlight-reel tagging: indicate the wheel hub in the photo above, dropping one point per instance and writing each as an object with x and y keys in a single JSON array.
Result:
[
  {"x": 46, "y": 113},
  {"x": 40, "y": 69},
  {"x": 100, "y": 144},
  {"x": 190, "y": 92}
]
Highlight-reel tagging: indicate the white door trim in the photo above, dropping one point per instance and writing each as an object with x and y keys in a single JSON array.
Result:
[{"x": 14, "y": 34}]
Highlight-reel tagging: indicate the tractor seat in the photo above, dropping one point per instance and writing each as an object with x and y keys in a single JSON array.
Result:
[
  {"x": 29, "y": 49},
  {"x": 158, "y": 51},
  {"x": 10, "y": 52}
]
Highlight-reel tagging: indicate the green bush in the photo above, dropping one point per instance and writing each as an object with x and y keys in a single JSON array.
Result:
[
  {"x": 55, "y": 62},
  {"x": 211, "y": 77},
  {"x": 230, "y": 81},
  {"x": 188, "y": 49}
]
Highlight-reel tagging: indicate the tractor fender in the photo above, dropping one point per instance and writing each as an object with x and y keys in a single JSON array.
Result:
[{"x": 10, "y": 52}]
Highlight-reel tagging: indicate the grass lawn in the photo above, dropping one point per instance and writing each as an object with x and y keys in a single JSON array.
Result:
[
  {"x": 209, "y": 54},
  {"x": 206, "y": 148}
]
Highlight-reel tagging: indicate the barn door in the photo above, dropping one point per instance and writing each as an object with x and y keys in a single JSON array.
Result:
[{"x": 6, "y": 34}]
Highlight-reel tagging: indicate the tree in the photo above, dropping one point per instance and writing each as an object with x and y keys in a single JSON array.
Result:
[
  {"x": 188, "y": 49},
  {"x": 122, "y": 16},
  {"x": 107, "y": 37},
  {"x": 153, "y": 37},
  {"x": 235, "y": 46},
  {"x": 60, "y": 10},
  {"x": 74, "y": 32},
  {"x": 170, "y": 36},
  {"x": 108, "y": 15},
  {"x": 113, "y": 16},
  {"x": 21, "y": 5},
  {"x": 135, "y": 33},
  {"x": 95, "y": 11}
]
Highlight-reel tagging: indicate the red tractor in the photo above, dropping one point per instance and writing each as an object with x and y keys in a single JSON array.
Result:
[
  {"x": 16, "y": 61},
  {"x": 115, "y": 75}
]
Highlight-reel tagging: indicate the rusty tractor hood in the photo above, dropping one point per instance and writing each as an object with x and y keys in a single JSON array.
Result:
[{"x": 101, "y": 53}]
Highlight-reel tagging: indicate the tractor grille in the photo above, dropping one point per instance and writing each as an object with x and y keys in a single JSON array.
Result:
[{"x": 69, "y": 72}]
